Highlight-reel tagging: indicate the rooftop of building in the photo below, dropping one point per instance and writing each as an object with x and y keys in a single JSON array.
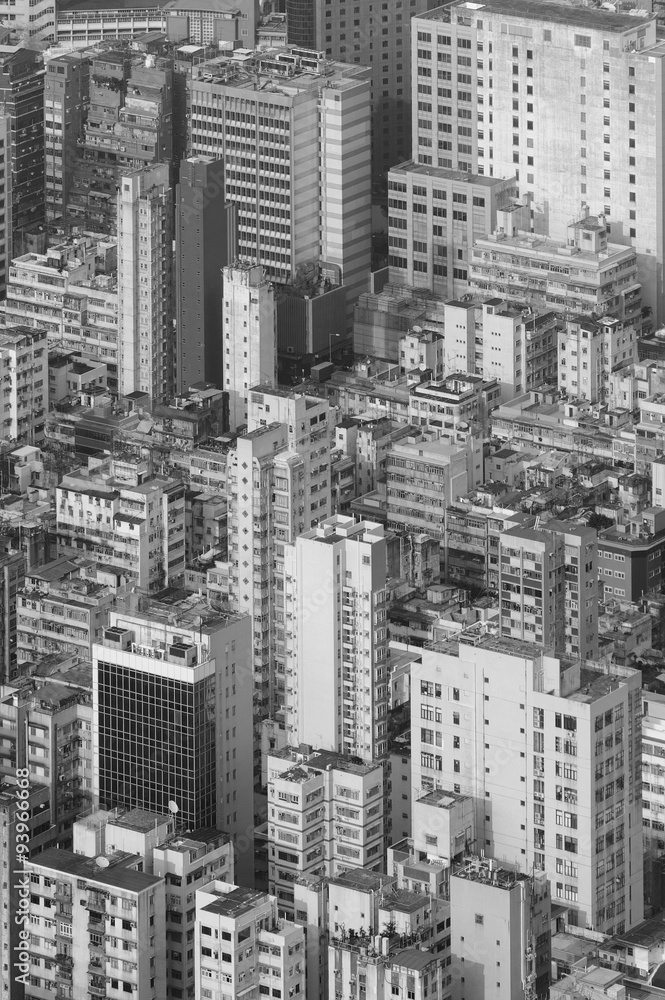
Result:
[
  {"x": 178, "y": 608},
  {"x": 139, "y": 820},
  {"x": 595, "y": 684},
  {"x": 441, "y": 798},
  {"x": 362, "y": 879},
  {"x": 72, "y": 6},
  {"x": 402, "y": 900},
  {"x": 283, "y": 393},
  {"x": 238, "y": 902},
  {"x": 447, "y": 174},
  {"x": 10, "y": 336},
  {"x": 413, "y": 958},
  {"x": 645, "y": 935},
  {"x": 287, "y": 71},
  {"x": 547, "y": 12},
  {"x": 543, "y": 247},
  {"x": 194, "y": 840},
  {"x": 489, "y": 872},
  {"x": 305, "y": 759},
  {"x": 117, "y": 872}
]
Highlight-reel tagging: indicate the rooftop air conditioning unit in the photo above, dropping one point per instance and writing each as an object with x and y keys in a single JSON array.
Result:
[
  {"x": 181, "y": 652},
  {"x": 120, "y": 637}
]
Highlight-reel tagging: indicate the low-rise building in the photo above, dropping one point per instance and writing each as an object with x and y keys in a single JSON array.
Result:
[
  {"x": 455, "y": 406},
  {"x": 325, "y": 813},
  {"x": 424, "y": 476},
  {"x": 241, "y": 941},
  {"x": 472, "y": 536},
  {"x": 630, "y": 556},
  {"x": 587, "y": 274},
  {"x": 98, "y": 924},
  {"x": 57, "y": 610},
  {"x": 589, "y": 350},
  {"x": 385, "y": 938},
  {"x": 132, "y": 519},
  {"x": 501, "y": 932}
]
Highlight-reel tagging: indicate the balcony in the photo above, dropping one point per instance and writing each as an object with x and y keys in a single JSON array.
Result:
[
  {"x": 97, "y": 987},
  {"x": 96, "y": 924},
  {"x": 97, "y": 903}
]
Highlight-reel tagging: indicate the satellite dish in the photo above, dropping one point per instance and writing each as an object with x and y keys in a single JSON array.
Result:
[
  {"x": 173, "y": 807},
  {"x": 102, "y": 862}
]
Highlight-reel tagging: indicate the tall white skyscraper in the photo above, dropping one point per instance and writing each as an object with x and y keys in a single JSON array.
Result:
[
  {"x": 336, "y": 638},
  {"x": 146, "y": 340},
  {"x": 249, "y": 335}
]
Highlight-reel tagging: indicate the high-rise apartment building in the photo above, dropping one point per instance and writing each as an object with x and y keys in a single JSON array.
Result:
[
  {"x": 545, "y": 95},
  {"x": 306, "y": 196},
  {"x": 308, "y": 422},
  {"x": 47, "y": 733},
  {"x": 241, "y": 942},
  {"x": 146, "y": 299},
  {"x": 500, "y": 932},
  {"x": 548, "y": 580},
  {"x": 549, "y": 750},
  {"x": 373, "y": 37},
  {"x": 22, "y": 107},
  {"x": 204, "y": 245},
  {"x": 251, "y": 532},
  {"x": 131, "y": 519},
  {"x": 66, "y": 93},
  {"x": 325, "y": 813},
  {"x": 249, "y": 340},
  {"x": 71, "y": 293},
  {"x": 129, "y": 126},
  {"x": 335, "y": 638},
  {"x": 172, "y": 698},
  {"x": 24, "y": 389},
  {"x": 12, "y": 575},
  {"x": 101, "y": 925}
]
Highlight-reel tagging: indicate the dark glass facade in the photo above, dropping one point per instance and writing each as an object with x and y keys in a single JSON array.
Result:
[
  {"x": 157, "y": 743},
  {"x": 301, "y": 23}
]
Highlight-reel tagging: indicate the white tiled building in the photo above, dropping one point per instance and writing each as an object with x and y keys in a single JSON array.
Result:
[
  {"x": 550, "y": 751},
  {"x": 324, "y": 814},
  {"x": 335, "y": 638},
  {"x": 242, "y": 947},
  {"x": 97, "y": 926}
]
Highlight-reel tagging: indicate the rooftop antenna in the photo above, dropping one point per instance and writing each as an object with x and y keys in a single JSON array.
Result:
[{"x": 102, "y": 862}]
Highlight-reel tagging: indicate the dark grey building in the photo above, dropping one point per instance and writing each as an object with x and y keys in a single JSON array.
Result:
[{"x": 205, "y": 243}]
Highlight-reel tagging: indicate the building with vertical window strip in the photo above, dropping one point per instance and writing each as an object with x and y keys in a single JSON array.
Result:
[{"x": 306, "y": 196}]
